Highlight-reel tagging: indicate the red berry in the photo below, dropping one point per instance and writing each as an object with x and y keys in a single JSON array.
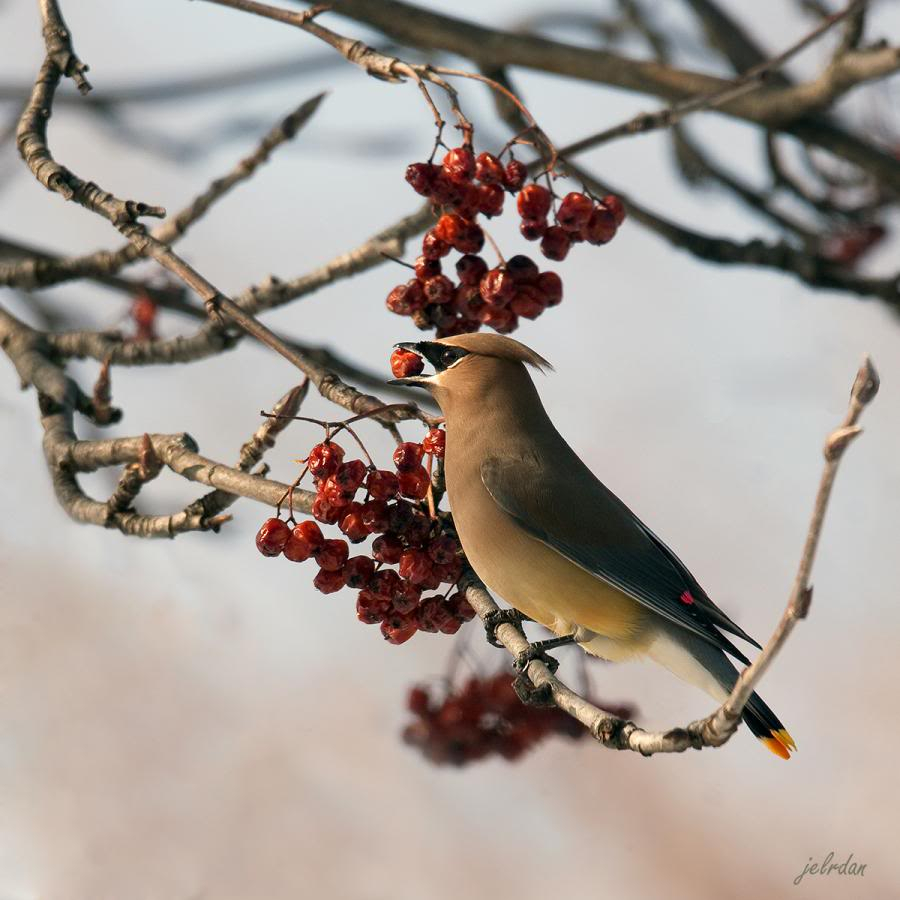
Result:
[
  {"x": 417, "y": 698},
  {"x": 426, "y": 268},
  {"x": 395, "y": 633},
  {"x": 443, "y": 549},
  {"x": 331, "y": 492},
  {"x": 488, "y": 169},
  {"x": 417, "y": 529},
  {"x": 298, "y": 548},
  {"x": 332, "y": 555},
  {"x": 501, "y": 319},
  {"x": 470, "y": 269},
  {"x": 523, "y": 269},
  {"x": 490, "y": 199},
  {"x": 387, "y": 549},
  {"x": 555, "y": 243},
  {"x": 434, "y": 442},
  {"x": 528, "y": 302},
  {"x": 550, "y": 285},
  {"x": 325, "y": 511},
  {"x": 328, "y": 582},
  {"x": 445, "y": 191},
  {"x": 450, "y": 625},
  {"x": 532, "y": 229},
  {"x": 420, "y": 177},
  {"x": 470, "y": 239},
  {"x": 403, "y": 364},
  {"x": 324, "y": 459},
  {"x": 459, "y": 164},
  {"x": 601, "y": 227},
  {"x": 370, "y": 608},
  {"x": 460, "y": 607},
  {"x": 575, "y": 211},
  {"x": 439, "y": 289},
  {"x": 432, "y": 614},
  {"x": 534, "y": 201},
  {"x": 615, "y": 206},
  {"x": 433, "y": 247},
  {"x": 414, "y": 484},
  {"x": 497, "y": 287},
  {"x": 468, "y": 301},
  {"x": 358, "y": 571},
  {"x": 408, "y": 456},
  {"x": 406, "y": 598},
  {"x": 385, "y": 584},
  {"x": 353, "y": 526},
  {"x": 350, "y": 476},
  {"x": 415, "y": 565},
  {"x": 381, "y": 484},
  {"x": 311, "y": 533},
  {"x": 401, "y": 515},
  {"x": 514, "y": 175},
  {"x": 272, "y": 536},
  {"x": 375, "y": 515},
  {"x": 449, "y": 227}
]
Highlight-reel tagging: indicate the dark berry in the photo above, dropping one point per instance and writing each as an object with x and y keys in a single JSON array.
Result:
[
  {"x": 514, "y": 175},
  {"x": 406, "y": 598},
  {"x": 350, "y": 476},
  {"x": 574, "y": 211},
  {"x": 523, "y": 269},
  {"x": 328, "y": 582},
  {"x": 528, "y": 302},
  {"x": 550, "y": 285},
  {"x": 414, "y": 484},
  {"x": 420, "y": 177},
  {"x": 488, "y": 169},
  {"x": 359, "y": 571},
  {"x": 616, "y": 207},
  {"x": 470, "y": 269},
  {"x": 443, "y": 549},
  {"x": 501, "y": 319},
  {"x": 272, "y": 536},
  {"x": 601, "y": 227},
  {"x": 460, "y": 607},
  {"x": 381, "y": 484},
  {"x": 532, "y": 229},
  {"x": 375, "y": 516},
  {"x": 555, "y": 243},
  {"x": 408, "y": 456},
  {"x": 387, "y": 549},
  {"x": 470, "y": 239}
]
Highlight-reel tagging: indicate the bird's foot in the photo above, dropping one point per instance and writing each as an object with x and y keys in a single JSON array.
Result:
[
  {"x": 493, "y": 620},
  {"x": 531, "y": 695},
  {"x": 538, "y": 650}
]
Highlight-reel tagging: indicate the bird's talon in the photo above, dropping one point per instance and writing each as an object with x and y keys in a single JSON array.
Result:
[
  {"x": 493, "y": 620},
  {"x": 535, "y": 652},
  {"x": 531, "y": 695}
]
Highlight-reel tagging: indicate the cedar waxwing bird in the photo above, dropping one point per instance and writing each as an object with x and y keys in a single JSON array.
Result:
[{"x": 541, "y": 530}]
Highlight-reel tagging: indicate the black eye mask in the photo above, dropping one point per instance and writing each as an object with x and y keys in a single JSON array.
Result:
[{"x": 441, "y": 356}]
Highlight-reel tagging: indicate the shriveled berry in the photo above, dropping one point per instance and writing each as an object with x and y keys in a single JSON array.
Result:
[
  {"x": 398, "y": 302},
  {"x": 532, "y": 229},
  {"x": 381, "y": 484},
  {"x": 468, "y": 301},
  {"x": 375, "y": 516},
  {"x": 406, "y": 598},
  {"x": 443, "y": 549},
  {"x": 574, "y": 211},
  {"x": 350, "y": 476},
  {"x": 426, "y": 267},
  {"x": 358, "y": 571},
  {"x": 555, "y": 243},
  {"x": 434, "y": 442},
  {"x": 387, "y": 549},
  {"x": 414, "y": 484},
  {"x": 400, "y": 516},
  {"x": 514, "y": 175},
  {"x": 523, "y": 269},
  {"x": 370, "y": 608},
  {"x": 433, "y": 247},
  {"x": 460, "y": 607},
  {"x": 432, "y": 614},
  {"x": 533, "y": 201},
  {"x": 311, "y": 533},
  {"x": 445, "y": 191},
  {"x": 272, "y": 536},
  {"x": 403, "y": 364},
  {"x": 324, "y": 459},
  {"x": 332, "y": 555},
  {"x": 488, "y": 169},
  {"x": 325, "y": 511},
  {"x": 449, "y": 573},
  {"x": 490, "y": 199},
  {"x": 420, "y": 177},
  {"x": 328, "y": 582},
  {"x": 415, "y": 565},
  {"x": 497, "y": 287},
  {"x": 550, "y": 285},
  {"x": 438, "y": 290},
  {"x": 418, "y": 528},
  {"x": 459, "y": 164},
  {"x": 470, "y": 269},
  {"x": 470, "y": 239},
  {"x": 615, "y": 206},
  {"x": 352, "y": 524},
  {"x": 408, "y": 456}
]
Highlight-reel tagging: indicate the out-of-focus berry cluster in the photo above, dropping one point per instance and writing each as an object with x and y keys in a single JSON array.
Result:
[
  {"x": 363, "y": 501},
  {"x": 465, "y": 187},
  {"x": 484, "y": 718}
]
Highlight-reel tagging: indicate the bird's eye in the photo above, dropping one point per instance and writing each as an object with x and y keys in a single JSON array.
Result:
[{"x": 448, "y": 357}]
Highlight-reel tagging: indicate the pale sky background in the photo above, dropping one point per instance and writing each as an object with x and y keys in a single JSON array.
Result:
[{"x": 184, "y": 720}]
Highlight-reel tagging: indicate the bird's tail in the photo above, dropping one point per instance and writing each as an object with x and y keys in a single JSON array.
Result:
[{"x": 707, "y": 667}]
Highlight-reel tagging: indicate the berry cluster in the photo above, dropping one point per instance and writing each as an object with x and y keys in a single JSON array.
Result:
[
  {"x": 465, "y": 187},
  {"x": 484, "y": 718},
  {"x": 426, "y": 554}
]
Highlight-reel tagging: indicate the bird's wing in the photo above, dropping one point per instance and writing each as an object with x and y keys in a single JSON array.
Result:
[{"x": 562, "y": 504}]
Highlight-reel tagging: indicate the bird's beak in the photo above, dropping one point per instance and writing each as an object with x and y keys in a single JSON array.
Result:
[{"x": 411, "y": 380}]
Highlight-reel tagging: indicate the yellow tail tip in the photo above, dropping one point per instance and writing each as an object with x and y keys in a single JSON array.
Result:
[{"x": 780, "y": 743}]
